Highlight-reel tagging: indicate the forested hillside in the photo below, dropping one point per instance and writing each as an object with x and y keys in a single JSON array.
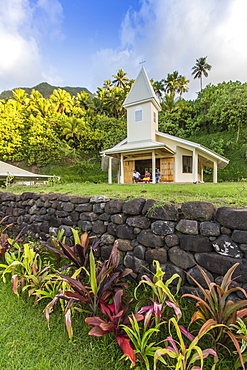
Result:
[
  {"x": 65, "y": 133},
  {"x": 45, "y": 89}
]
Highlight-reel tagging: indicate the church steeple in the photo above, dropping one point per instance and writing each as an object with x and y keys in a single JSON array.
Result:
[
  {"x": 142, "y": 110},
  {"x": 141, "y": 91}
]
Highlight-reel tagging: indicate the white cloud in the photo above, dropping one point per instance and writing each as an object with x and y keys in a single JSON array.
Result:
[
  {"x": 20, "y": 37},
  {"x": 171, "y": 34}
]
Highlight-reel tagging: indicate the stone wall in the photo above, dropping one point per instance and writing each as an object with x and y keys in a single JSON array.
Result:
[{"x": 179, "y": 236}]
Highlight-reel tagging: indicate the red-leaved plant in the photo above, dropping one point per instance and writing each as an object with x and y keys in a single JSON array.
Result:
[{"x": 117, "y": 316}]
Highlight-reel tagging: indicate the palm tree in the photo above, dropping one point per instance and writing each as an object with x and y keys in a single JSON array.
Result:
[
  {"x": 114, "y": 102},
  {"x": 158, "y": 87},
  {"x": 62, "y": 100},
  {"x": 120, "y": 79},
  {"x": 107, "y": 85},
  {"x": 170, "y": 103},
  {"x": 20, "y": 96},
  {"x": 200, "y": 68},
  {"x": 82, "y": 100},
  {"x": 74, "y": 129},
  {"x": 171, "y": 82},
  {"x": 182, "y": 85}
]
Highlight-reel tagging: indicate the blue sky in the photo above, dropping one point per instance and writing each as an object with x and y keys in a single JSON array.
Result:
[{"x": 84, "y": 42}]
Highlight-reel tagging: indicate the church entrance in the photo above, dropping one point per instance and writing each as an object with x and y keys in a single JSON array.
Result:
[
  {"x": 146, "y": 165},
  {"x": 165, "y": 165}
]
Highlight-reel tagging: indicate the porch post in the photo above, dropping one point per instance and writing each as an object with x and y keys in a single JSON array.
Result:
[
  {"x": 215, "y": 179},
  {"x": 121, "y": 170},
  {"x": 201, "y": 173},
  {"x": 195, "y": 166},
  {"x": 153, "y": 168},
  {"x": 110, "y": 171}
]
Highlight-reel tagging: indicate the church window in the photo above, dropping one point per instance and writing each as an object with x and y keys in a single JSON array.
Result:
[
  {"x": 138, "y": 114},
  {"x": 154, "y": 117},
  {"x": 187, "y": 164}
]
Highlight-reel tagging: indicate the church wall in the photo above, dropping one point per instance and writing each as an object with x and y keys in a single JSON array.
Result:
[
  {"x": 180, "y": 176},
  {"x": 143, "y": 130}
]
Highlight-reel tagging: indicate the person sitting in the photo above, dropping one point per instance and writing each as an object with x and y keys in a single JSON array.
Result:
[
  {"x": 136, "y": 176},
  {"x": 147, "y": 177},
  {"x": 157, "y": 175}
]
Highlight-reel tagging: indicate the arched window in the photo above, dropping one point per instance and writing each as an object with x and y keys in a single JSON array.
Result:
[{"x": 138, "y": 114}]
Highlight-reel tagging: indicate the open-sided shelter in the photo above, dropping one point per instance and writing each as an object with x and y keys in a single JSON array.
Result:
[{"x": 8, "y": 170}]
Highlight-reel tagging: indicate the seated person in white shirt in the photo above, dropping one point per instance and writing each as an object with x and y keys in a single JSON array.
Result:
[{"x": 136, "y": 176}]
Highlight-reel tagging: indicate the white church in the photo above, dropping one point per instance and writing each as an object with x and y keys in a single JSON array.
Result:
[{"x": 145, "y": 148}]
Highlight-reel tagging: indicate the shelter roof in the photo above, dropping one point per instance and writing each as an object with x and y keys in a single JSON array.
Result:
[
  {"x": 125, "y": 147},
  {"x": 7, "y": 169}
]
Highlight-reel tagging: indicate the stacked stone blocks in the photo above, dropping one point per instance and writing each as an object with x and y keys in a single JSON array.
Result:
[{"x": 179, "y": 236}]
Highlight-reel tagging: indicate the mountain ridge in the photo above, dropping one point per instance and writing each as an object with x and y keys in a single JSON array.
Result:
[{"x": 45, "y": 89}]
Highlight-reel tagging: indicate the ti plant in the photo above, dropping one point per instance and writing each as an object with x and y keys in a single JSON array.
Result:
[
  {"x": 103, "y": 283},
  {"x": 26, "y": 270},
  {"x": 5, "y": 241},
  {"x": 161, "y": 293},
  {"x": 117, "y": 317},
  {"x": 77, "y": 254},
  {"x": 140, "y": 338},
  {"x": 179, "y": 356},
  {"x": 217, "y": 308}
]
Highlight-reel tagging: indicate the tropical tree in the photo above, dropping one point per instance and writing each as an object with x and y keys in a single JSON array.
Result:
[
  {"x": 107, "y": 85},
  {"x": 182, "y": 85},
  {"x": 171, "y": 82},
  {"x": 200, "y": 68},
  {"x": 40, "y": 142},
  {"x": 170, "y": 103},
  {"x": 114, "y": 102},
  {"x": 120, "y": 79},
  {"x": 20, "y": 96},
  {"x": 159, "y": 88},
  {"x": 38, "y": 104},
  {"x": 82, "y": 100},
  {"x": 62, "y": 101},
  {"x": 73, "y": 128}
]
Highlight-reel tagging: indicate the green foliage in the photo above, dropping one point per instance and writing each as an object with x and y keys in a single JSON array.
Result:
[
  {"x": 27, "y": 270},
  {"x": 60, "y": 127},
  {"x": 112, "y": 130},
  {"x": 45, "y": 90},
  {"x": 162, "y": 296},
  {"x": 217, "y": 308},
  {"x": 140, "y": 339},
  {"x": 184, "y": 357},
  {"x": 103, "y": 292}
]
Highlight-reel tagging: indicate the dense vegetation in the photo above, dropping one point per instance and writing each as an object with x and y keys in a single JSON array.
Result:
[
  {"x": 148, "y": 325},
  {"x": 38, "y": 131},
  {"x": 45, "y": 90}
]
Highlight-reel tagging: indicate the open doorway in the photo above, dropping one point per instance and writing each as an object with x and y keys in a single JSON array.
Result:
[{"x": 146, "y": 165}]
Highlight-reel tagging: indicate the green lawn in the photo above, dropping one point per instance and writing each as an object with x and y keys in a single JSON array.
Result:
[
  {"x": 27, "y": 344},
  {"x": 226, "y": 193}
]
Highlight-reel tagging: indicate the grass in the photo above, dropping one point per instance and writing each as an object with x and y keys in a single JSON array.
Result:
[
  {"x": 221, "y": 194},
  {"x": 27, "y": 344}
]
